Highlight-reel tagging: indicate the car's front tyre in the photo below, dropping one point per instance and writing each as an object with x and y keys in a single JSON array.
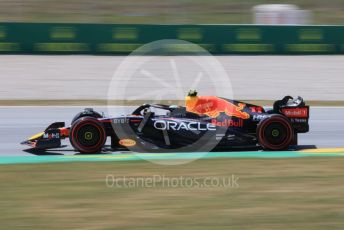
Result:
[
  {"x": 88, "y": 112},
  {"x": 87, "y": 135}
]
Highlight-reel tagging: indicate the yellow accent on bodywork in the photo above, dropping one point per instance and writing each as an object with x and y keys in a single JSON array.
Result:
[{"x": 36, "y": 136}]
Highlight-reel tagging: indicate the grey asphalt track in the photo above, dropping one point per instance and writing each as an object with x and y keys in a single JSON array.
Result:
[
  {"x": 318, "y": 77},
  {"x": 18, "y": 123}
]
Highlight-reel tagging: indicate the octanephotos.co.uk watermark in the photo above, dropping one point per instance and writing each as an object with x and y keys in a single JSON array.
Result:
[{"x": 164, "y": 181}]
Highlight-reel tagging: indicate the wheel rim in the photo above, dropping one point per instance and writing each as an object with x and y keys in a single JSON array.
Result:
[
  {"x": 88, "y": 135},
  {"x": 276, "y": 133}
]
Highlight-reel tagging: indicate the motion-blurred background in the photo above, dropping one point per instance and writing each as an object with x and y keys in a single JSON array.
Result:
[
  {"x": 156, "y": 12},
  {"x": 65, "y": 52},
  {"x": 310, "y": 30}
]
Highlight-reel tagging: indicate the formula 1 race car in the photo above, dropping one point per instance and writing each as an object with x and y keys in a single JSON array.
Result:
[{"x": 205, "y": 123}]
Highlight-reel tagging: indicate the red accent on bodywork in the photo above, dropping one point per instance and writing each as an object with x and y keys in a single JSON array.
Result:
[
  {"x": 64, "y": 132},
  {"x": 105, "y": 120},
  {"x": 256, "y": 109},
  {"x": 33, "y": 144}
]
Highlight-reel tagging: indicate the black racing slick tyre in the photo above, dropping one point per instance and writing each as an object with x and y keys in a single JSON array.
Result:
[
  {"x": 87, "y": 135},
  {"x": 275, "y": 133},
  {"x": 88, "y": 112}
]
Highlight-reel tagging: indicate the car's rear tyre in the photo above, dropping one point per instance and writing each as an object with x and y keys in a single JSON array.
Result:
[
  {"x": 275, "y": 133},
  {"x": 87, "y": 135}
]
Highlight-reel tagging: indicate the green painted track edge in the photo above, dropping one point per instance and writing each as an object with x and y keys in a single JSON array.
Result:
[{"x": 158, "y": 156}]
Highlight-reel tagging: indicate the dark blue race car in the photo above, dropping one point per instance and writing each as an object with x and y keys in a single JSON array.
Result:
[{"x": 205, "y": 123}]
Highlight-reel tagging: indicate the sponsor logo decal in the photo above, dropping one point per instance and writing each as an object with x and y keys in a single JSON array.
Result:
[
  {"x": 298, "y": 120},
  {"x": 259, "y": 117},
  {"x": 190, "y": 126},
  {"x": 214, "y": 106},
  {"x": 296, "y": 112},
  {"x": 127, "y": 142},
  {"x": 228, "y": 123},
  {"x": 51, "y": 136},
  {"x": 206, "y": 106},
  {"x": 121, "y": 121}
]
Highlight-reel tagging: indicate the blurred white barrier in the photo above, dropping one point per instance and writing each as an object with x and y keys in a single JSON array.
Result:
[{"x": 280, "y": 14}]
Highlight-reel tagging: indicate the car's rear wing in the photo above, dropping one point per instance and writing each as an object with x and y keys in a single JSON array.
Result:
[{"x": 296, "y": 110}]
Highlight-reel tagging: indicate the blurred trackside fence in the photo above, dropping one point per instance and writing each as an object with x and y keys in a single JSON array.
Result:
[{"x": 115, "y": 39}]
